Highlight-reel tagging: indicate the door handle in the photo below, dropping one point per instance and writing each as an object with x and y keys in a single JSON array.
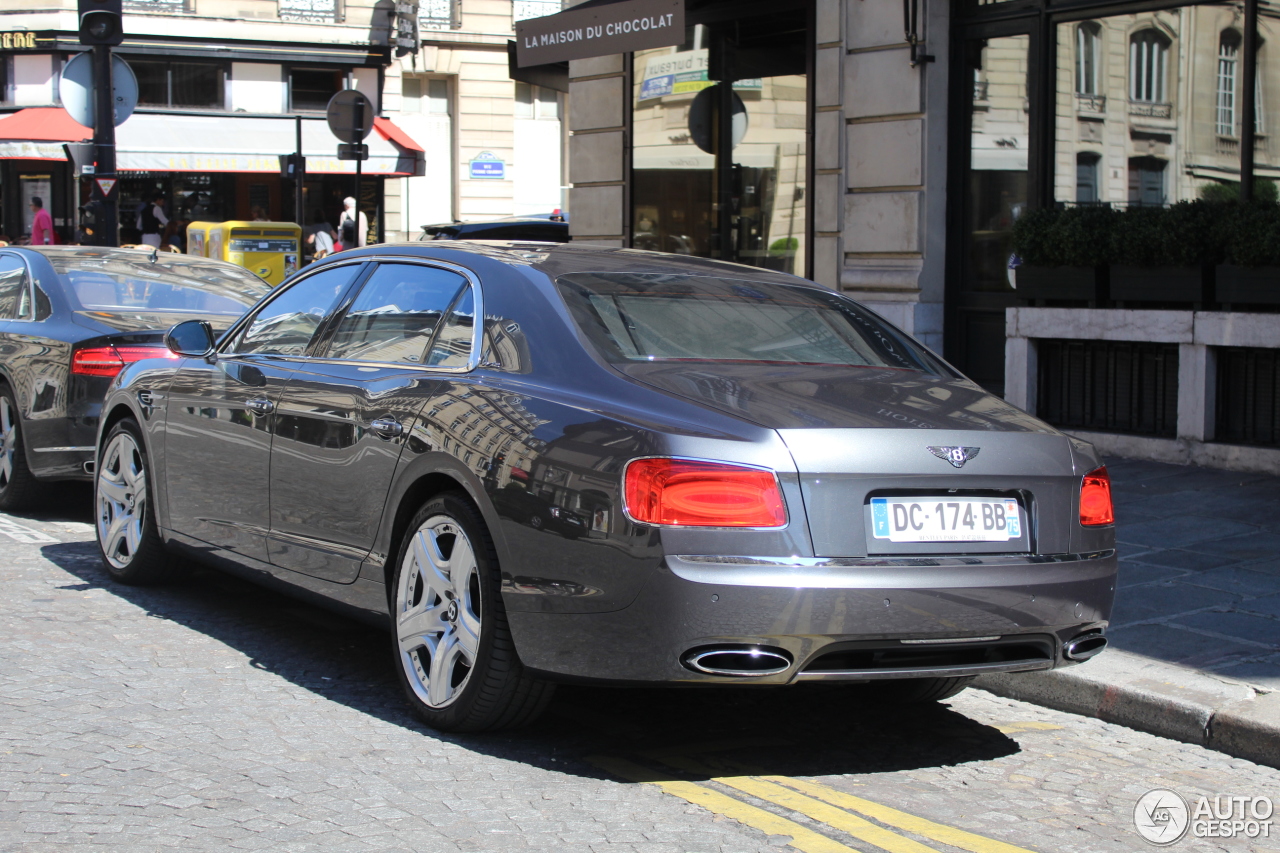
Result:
[
  {"x": 387, "y": 428},
  {"x": 260, "y": 406}
]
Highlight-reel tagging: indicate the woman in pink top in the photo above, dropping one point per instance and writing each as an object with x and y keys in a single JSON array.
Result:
[{"x": 42, "y": 226}]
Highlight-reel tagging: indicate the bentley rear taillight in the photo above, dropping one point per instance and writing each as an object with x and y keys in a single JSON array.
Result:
[
  {"x": 108, "y": 361},
  {"x": 690, "y": 493},
  {"x": 1095, "y": 498}
]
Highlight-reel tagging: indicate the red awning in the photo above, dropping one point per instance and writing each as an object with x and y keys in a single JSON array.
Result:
[
  {"x": 43, "y": 124},
  {"x": 37, "y": 133},
  {"x": 387, "y": 130}
]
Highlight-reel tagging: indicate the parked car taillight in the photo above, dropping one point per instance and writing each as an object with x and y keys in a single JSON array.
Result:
[
  {"x": 1095, "y": 498},
  {"x": 108, "y": 361},
  {"x": 702, "y": 494}
]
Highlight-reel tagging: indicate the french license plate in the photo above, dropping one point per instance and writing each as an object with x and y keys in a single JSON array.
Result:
[{"x": 946, "y": 519}]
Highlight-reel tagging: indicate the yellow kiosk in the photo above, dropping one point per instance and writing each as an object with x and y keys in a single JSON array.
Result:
[{"x": 269, "y": 249}]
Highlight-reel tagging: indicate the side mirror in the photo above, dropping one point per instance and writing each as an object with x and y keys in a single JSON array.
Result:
[{"x": 191, "y": 339}]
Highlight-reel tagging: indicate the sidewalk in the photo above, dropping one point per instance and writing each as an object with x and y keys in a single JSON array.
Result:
[{"x": 1195, "y": 635}]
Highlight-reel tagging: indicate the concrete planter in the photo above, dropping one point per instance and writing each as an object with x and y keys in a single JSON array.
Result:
[
  {"x": 1161, "y": 284},
  {"x": 1077, "y": 284},
  {"x": 1248, "y": 285}
]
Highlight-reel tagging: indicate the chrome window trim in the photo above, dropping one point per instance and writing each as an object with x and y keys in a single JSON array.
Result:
[
  {"x": 622, "y": 490},
  {"x": 477, "y": 333},
  {"x": 31, "y": 293}
]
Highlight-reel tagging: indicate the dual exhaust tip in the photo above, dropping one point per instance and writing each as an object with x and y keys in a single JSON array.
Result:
[
  {"x": 1083, "y": 647},
  {"x": 756, "y": 661},
  {"x": 738, "y": 661}
]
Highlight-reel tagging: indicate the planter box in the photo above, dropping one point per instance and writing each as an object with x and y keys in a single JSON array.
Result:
[
  {"x": 1078, "y": 284},
  {"x": 1161, "y": 284},
  {"x": 1248, "y": 285}
]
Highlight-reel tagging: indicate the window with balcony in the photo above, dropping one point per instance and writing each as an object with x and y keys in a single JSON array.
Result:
[
  {"x": 1088, "y": 58},
  {"x": 1148, "y": 66},
  {"x": 180, "y": 85}
]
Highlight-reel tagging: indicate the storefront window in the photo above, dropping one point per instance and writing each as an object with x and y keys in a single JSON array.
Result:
[
  {"x": 1162, "y": 124},
  {"x": 189, "y": 85},
  {"x": 683, "y": 171},
  {"x": 311, "y": 88}
]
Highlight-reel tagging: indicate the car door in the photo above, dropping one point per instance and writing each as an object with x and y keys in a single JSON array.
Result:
[
  {"x": 35, "y": 361},
  {"x": 344, "y": 417},
  {"x": 221, "y": 416}
]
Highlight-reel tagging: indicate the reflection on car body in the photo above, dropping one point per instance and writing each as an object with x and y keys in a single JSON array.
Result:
[{"x": 719, "y": 447}]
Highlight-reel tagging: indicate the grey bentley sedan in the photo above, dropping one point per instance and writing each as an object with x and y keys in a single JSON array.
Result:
[{"x": 536, "y": 462}]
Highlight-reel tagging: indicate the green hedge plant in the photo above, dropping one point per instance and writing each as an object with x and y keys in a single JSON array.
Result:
[{"x": 1065, "y": 237}]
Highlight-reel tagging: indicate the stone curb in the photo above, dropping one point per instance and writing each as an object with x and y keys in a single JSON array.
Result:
[{"x": 1182, "y": 704}]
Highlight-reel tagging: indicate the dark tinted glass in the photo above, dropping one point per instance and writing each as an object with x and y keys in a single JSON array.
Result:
[
  {"x": 393, "y": 317},
  {"x": 131, "y": 282},
  {"x": 153, "y": 82},
  {"x": 13, "y": 279},
  {"x": 311, "y": 89},
  {"x": 286, "y": 324},
  {"x": 453, "y": 345},
  {"x": 197, "y": 84},
  {"x": 652, "y": 317}
]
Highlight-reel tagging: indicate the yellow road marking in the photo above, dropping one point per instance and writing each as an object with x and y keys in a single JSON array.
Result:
[
  {"x": 899, "y": 819},
  {"x": 840, "y": 819},
  {"x": 802, "y": 838},
  {"x": 1027, "y": 726}
]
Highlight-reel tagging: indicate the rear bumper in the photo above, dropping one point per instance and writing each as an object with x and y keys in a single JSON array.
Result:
[{"x": 848, "y": 619}]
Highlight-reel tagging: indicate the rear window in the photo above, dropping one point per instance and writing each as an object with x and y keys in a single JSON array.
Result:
[
  {"x": 180, "y": 286},
  {"x": 656, "y": 318}
]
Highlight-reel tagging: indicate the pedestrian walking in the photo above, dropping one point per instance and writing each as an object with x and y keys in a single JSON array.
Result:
[
  {"x": 42, "y": 225},
  {"x": 320, "y": 235},
  {"x": 353, "y": 228},
  {"x": 152, "y": 220}
]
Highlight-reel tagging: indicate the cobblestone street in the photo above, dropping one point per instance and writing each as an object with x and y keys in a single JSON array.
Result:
[{"x": 216, "y": 715}]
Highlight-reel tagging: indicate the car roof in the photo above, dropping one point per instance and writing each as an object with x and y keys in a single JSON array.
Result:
[
  {"x": 557, "y": 259},
  {"x": 110, "y": 253}
]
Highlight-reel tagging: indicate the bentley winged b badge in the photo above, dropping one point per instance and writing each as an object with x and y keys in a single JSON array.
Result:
[{"x": 957, "y": 456}]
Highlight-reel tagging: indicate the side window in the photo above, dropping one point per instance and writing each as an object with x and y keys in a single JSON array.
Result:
[
  {"x": 286, "y": 324},
  {"x": 453, "y": 345},
  {"x": 395, "y": 314},
  {"x": 13, "y": 285}
]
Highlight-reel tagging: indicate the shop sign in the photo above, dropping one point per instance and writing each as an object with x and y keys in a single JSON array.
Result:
[
  {"x": 308, "y": 11},
  {"x": 17, "y": 41},
  {"x": 156, "y": 7},
  {"x": 599, "y": 31},
  {"x": 683, "y": 73},
  {"x": 487, "y": 166}
]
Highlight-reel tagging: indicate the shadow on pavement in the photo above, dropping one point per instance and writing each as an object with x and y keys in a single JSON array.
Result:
[{"x": 807, "y": 730}]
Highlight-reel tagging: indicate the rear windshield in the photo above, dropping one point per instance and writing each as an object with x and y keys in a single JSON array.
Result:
[
  {"x": 185, "y": 287},
  {"x": 654, "y": 317}
]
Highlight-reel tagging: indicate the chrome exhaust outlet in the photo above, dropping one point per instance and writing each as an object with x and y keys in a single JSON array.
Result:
[
  {"x": 90, "y": 467},
  {"x": 741, "y": 662},
  {"x": 1084, "y": 647}
]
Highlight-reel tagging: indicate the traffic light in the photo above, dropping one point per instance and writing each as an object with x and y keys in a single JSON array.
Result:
[
  {"x": 101, "y": 22},
  {"x": 292, "y": 166},
  {"x": 92, "y": 224}
]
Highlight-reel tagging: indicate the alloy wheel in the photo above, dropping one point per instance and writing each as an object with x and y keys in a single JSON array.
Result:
[
  {"x": 438, "y": 611},
  {"x": 8, "y": 441},
  {"x": 122, "y": 500}
]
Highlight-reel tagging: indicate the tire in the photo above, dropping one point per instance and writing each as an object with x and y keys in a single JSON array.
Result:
[
  {"x": 454, "y": 654},
  {"x": 19, "y": 488},
  {"x": 128, "y": 539},
  {"x": 918, "y": 691},
  {"x": 536, "y": 522}
]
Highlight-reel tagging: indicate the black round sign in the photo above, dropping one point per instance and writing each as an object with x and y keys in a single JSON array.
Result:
[{"x": 350, "y": 115}]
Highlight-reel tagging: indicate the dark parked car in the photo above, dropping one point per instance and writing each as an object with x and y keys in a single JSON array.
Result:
[
  {"x": 515, "y": 501},
  {"x": 533, "y": 228},
  {"x": 70, "y": 319},
  {"x": 782, "y": 488}
]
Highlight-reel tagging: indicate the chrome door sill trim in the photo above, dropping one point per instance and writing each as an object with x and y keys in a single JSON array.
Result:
[
  {"x": 88, "y": 449},
  {"x": 934, "y": 672},
  {"x": 906, "y": 562}
]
